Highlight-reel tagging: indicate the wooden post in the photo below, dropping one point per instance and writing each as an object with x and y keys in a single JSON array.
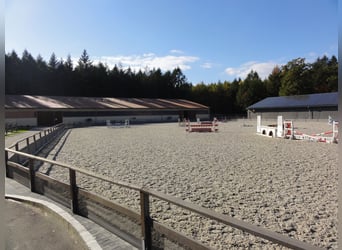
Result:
[
  {"x": 45, "y": 139},
  {"x": 146, "y": 222},
  {"x": 32, "y": 175},
  {"x": 7, "y": 169},
  {"x": 73, "y": 191},
  {"x": 35, "y": 143},
  {"x": 17, "y": 149},
  {"x": 40, "y": 139},
  {"x": 28, "y": 145}
]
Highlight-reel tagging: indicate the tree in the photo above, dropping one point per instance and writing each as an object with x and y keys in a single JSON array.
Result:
[
  {"x": 324, "y": 73},
  {"x": 84, "y": 62},
  {"x": 180, "y": 84},
  {"x": 41, "y": 75},
  {"x": 332, "y": 80},
  {"x": 68, "y": 78},
  {"x": 84, "y": 85},
  {"x": 13, "y": 68},
  {"x": 99, "y": 76},
  {"x": 234, "y": 88},
  {"x": 200, "y": 93},
  {"x": 251, "y": 90},
  {"x": 41, "y": 64},
  {"x": 273, "y": 82},
  {"x": 295, "y": 78},
  {"x": 28, "y": 73},
  {"x": 53, "y": 63},
  {"x": 153, "y": 83},
  {"x": 178, "y": 78},
  {"x": 68, "y": 64}
]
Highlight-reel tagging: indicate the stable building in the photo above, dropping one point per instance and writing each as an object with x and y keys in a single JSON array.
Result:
[
  {"x": 313, "y": 106},
  {"x": 29, "y": 110}
]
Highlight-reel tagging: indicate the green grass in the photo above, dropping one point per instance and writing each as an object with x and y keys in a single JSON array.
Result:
[{"x": 18, "y": 131}]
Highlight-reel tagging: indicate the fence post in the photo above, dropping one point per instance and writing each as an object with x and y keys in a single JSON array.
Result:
[
  {"x": 7, "y": 169},
  {"x": 35, "y": 143},
  {"x": 73, "y": 191},
  {"x": 28, "y": 145},
  {"x": 146, "y": 222},
  {"x": 32, "y": 175},
  {"x": 17, "y": 149},
  {"x": 45, "y": 139},
  {"x": 40, "y": 139}
]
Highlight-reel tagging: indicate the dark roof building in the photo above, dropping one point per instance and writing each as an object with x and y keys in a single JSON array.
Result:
[
  {"x": 48, "y": 110},
  {"x": 312, "y": 106}
]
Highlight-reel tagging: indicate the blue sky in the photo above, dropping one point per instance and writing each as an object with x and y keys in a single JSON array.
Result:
[{"x": 209, "y": 40}]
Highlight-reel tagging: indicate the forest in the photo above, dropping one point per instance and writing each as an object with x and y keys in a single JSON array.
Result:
[{"x": 58, "y": 77}]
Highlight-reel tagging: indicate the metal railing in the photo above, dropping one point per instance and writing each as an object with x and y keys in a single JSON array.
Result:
[{"x": 147, "y": 223}]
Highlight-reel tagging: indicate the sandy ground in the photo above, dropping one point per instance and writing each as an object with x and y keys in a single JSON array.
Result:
[{"x": 287, "y": 186}]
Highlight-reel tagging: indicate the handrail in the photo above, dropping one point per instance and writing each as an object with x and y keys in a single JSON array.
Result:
[
  {"x": 233, "y": 222},
  {"x": 77, "y": 169},
  {"x": 145, "y": 213},
  {"x": 38, "y": 133},
  {"x": 36, "y": 142}
]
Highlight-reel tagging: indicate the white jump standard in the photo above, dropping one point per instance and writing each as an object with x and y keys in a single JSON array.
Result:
[
  {"x": 285, "y": 129},
  {"x": 205, "y": 126},
  {"x": 270, "y": 130}
]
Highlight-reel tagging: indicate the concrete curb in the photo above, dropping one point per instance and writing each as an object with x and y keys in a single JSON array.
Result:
[{"x": 72, "y": 225}]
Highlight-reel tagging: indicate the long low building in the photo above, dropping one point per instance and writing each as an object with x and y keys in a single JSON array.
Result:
[
  {"x": 28, "y": 110},
  {"x": 313, "y": 106}
]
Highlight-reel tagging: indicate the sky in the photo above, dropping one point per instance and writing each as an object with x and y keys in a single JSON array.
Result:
[{"x": 210, "y": 40}]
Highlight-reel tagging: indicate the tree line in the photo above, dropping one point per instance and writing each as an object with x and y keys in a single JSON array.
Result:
[{"x": 58, "y": 77}]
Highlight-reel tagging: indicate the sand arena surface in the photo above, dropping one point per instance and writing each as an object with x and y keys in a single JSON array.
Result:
[{"x": 283, "y": 185}]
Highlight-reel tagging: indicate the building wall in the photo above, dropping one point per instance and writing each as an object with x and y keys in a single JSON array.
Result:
[
  {"x": 24, "y": 122},
  {"x": 21, "y": 118},
  {"x": 296, "y": 115},
  {"x": 20, "y": 114},
  {"x": 120, "y": 119}
]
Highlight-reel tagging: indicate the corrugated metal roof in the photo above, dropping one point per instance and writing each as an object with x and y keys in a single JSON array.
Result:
[
  {"x": 297, "y": 101},
  {"x": 67, "y": 102}
]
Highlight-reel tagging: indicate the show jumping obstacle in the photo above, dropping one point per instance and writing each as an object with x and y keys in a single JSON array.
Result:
[
  {"x": 119, "y": 124},
  {"x": 328, "y": 137},
  {"x": 285, "y": 129},
  {"x": 205, "y": 126}
]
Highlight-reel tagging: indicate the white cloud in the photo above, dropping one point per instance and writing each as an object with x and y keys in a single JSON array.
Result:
[
  {"x": 262, "y": 68},
  {"x": 207, "y": 65},
  {"x": 176, "y": 51},
  {"x": 149, "y": 60}
]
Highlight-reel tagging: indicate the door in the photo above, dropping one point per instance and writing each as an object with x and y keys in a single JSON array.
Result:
[{"x": 49, "y": 118}]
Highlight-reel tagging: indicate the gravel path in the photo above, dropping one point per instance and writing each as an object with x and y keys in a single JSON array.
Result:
[{"x": 283, "y": 185}]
